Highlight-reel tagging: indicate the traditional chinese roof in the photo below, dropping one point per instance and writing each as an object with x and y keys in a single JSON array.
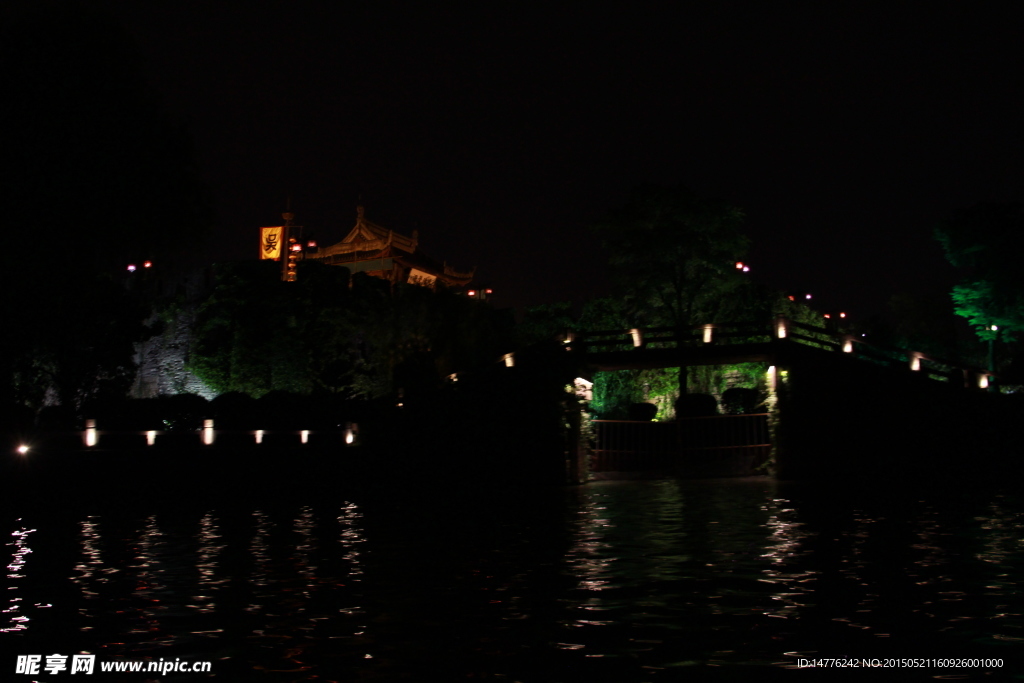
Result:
[{"x": 369, "y": 241}]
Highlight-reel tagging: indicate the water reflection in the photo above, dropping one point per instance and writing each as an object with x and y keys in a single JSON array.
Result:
[
  {"x": 16, "y": 613},
  {"x": 614, "y": 581}
]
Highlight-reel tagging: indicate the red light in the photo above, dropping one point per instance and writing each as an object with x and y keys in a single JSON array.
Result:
[
  {"x": 827, "y": 315},
  {"x": 489, "y": 291},
  {"x": 471, "y": 292},
  {"x": 147, "y": 264},
  {"x": 842, "y": 315},
  {"x": 792, "y": 298},
  {"x": 739, "y": 265},
  {"x": 311, "y": 244}
]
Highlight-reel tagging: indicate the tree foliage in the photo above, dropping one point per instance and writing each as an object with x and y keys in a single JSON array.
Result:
[
  {"x": 985, "y": 242},
  {"x": 256, "y": 334},
  {"x": 673, "y": 254}
]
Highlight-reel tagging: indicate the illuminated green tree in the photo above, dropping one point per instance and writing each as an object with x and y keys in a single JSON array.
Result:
[{"x": 985, "y": 242}]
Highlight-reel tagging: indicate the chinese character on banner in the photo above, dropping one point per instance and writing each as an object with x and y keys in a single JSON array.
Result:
[
  {"x": 84, "y": 664},
  {"x": 270, "y": 242},
  {"x": 28, "y": 664}
]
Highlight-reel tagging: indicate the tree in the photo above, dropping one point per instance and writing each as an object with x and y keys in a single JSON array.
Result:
[
  {"x": 673, "y": 255},
  {"x": 985, "y": 243}
]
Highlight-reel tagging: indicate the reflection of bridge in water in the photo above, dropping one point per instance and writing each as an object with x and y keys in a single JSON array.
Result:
[{"x": 836, "y": 403}]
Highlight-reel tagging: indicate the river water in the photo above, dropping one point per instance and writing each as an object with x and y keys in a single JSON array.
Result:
[{"x": 612, "y": 581}]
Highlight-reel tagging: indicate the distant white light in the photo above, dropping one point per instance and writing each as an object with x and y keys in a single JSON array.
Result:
[
  {"x": 259, "y": 436},
  {"x": 23, "y": 449},
  {"x": 746, "y": 269},
  {"x": 208, "y": 432},
  {"x": 304, "y": 436},
  {"x": 131, "y": 267},
  {"x": 150, "y": 437},
  {"x": 807, "y": 296}
]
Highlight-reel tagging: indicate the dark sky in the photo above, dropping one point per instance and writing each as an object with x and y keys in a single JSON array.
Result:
[{"x": 500, "y": 130}]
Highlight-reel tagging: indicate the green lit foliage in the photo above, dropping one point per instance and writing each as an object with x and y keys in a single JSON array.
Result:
[
  {"x": 246, "y": 333},
  {"x": 673, "y": 254},
  {"x": 256, "y": 334},
  {"x": 546, "y": 322},
  {"x": 985, "y": 243}
]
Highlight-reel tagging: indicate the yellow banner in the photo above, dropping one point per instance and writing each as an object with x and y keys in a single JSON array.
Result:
[{"x": 270, "y": 242}]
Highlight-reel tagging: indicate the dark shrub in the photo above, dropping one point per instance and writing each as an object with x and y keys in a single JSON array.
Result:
[
  {"x": 183, "y": 412},
  {"x": 644, "y": 412},
  {"x": 234, "y": 410},
  {"x": 696, "y": 405},
  {"x": 738, "y": 401}
]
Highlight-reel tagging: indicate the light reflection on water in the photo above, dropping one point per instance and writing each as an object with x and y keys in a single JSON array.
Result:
[{"x": 613, "y": 581}]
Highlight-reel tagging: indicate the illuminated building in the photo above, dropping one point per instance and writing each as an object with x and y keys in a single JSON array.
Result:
[{"x": 380, "y": 252}]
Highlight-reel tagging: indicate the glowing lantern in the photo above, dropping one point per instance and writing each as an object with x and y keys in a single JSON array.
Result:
[
  {"x": 90, "y": 433},
  {"x": 147, "y": 264}
]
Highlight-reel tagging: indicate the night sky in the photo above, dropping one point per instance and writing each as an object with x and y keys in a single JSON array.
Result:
[{"x": 501, "y": 130}]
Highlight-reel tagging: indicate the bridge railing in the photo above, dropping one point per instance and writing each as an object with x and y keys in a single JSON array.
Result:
[
  {"x": 664, "y": 337},
  {"x": 625, "y": 446},
  {"x": 749, "y": 332}
]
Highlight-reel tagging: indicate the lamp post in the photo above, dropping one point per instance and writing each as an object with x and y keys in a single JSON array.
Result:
[{"x": 992, "y": 388}]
